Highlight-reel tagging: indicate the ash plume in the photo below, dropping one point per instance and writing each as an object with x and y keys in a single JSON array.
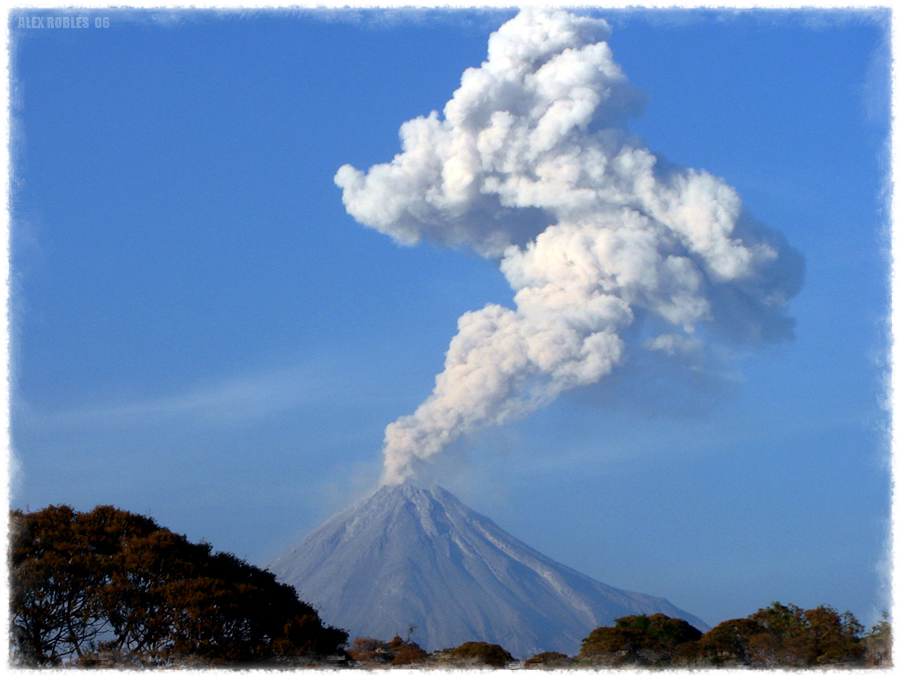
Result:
[{"x": 532, "y": 165}]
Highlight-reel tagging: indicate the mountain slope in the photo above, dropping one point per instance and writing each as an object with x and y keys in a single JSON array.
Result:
[{"x": 409, "y": 556}]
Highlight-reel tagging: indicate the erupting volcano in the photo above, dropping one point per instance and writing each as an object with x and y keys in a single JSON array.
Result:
[{"x": 614, "y": 255}]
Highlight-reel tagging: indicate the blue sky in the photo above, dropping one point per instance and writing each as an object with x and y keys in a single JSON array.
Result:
[{"x": 200, "y": 332}]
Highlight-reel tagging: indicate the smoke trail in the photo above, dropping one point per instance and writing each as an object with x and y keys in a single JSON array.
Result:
[{"x": 532, "y": 165}]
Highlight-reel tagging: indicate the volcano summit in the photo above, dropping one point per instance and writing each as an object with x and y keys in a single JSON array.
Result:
[{"x": 407, "y": 556}]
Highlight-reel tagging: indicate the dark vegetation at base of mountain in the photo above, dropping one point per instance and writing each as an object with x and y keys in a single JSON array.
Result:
[
  {"x": 549, "y": 661},
  {"x": 476, "y": 654},
  {"x": 779, "y": 636},
  {"x": 397, "y": 652},
  {"x": 109, "y": 588}
]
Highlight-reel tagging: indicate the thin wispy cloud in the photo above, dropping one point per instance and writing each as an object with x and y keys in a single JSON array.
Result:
[{"x": 228, "y": 402}]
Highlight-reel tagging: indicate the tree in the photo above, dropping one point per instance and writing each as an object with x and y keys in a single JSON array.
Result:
[
  {"x": 781, "y": 636},
  {"x": 56, "y": 568},
  {"x": 836, "y": 638},
  {"x": 784, "y": 639},
  {"x": 794, "y": 637},
  {"x": 877, "y": 643},
  {"x": 614, "y": 646},
  {"x": 406, "y": 652},
  {"x": 112, "y": 582},
  {"x": 637, "y": 639},
  {"x": 478, "y": 653},
  {"x": 669, "y": 633},
  {"x": 726, "y": 643}
]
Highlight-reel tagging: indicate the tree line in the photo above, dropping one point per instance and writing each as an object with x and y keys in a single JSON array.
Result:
[
  {"x": 778, "y": 636},
  {"x": 109, "y": 587}
]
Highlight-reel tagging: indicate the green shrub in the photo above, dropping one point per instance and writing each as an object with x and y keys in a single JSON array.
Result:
[{"x": 637, "y": 640}]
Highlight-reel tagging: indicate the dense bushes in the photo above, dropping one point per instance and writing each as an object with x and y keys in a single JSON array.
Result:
[
  {"x": 397, "y": 652},
  {"x": 727, "y": 643},
  {"x": 639, "y": 640},
  {"x": 783, "y": 636},
  {"x": 407, "y": 652},
  {"x": 110, "y": 586},
  {"x": 779, "y": 636},
  {"x": 476, "y": 654}
]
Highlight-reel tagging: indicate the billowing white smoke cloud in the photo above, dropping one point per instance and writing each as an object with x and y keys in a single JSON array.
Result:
[{"x": 532, "y": 165}]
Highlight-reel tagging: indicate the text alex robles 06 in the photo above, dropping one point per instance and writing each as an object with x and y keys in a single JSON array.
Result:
[{"x": 62, "y": 22}]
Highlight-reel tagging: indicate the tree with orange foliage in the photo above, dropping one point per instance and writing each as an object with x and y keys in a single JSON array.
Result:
[
  {"x": 794, "y": 637},
  {"x": 113, "y": 583},
  {"x": 781, "y": 636}
]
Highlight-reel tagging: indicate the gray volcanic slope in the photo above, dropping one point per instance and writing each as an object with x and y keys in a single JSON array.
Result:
[{"x": 410, "y": 556}]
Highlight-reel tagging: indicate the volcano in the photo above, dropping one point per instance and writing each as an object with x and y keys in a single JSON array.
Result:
[{"x": 411, "y": 557}]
